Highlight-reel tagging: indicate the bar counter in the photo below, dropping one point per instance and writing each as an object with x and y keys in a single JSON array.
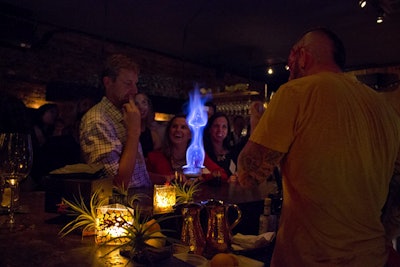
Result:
[{"x": 37, "y": 243}]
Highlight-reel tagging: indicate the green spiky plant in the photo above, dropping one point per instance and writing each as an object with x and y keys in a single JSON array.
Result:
[
  {"x": 121, "y": 195},
  {"x": 85, "y": 216},
  {"x": 144, "y": 238},
  {"x": 143, "y": 235},
  {"x": 186, "y": 191}
]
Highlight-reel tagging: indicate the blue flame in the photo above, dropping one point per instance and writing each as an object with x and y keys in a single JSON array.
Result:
[{"x": 197, "y": 119}]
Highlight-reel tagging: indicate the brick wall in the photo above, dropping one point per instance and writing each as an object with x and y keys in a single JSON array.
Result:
[{"x": 66, "y": 56}]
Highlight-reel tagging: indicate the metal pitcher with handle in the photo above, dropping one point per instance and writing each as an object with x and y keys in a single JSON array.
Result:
[
  {"x": 219, "y": 229},
  {"x": 192, "y": 233}
]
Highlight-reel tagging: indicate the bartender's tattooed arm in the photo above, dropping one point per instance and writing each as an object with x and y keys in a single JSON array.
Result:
[{"x": 256, "y": 163}]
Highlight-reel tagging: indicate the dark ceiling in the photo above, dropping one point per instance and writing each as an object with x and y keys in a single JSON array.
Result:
[{"x": 236, "y": 36}]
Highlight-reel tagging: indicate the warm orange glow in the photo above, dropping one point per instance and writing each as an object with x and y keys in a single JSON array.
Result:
[
  {"x": 164, "y": 198},
  {"x": 35, "y": 103},
  {"x": 162, "y": 116},
  {"x": 111, "y": 222}
]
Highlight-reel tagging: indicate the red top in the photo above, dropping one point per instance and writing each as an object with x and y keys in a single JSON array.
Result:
[{"x": 158, "y": 163}]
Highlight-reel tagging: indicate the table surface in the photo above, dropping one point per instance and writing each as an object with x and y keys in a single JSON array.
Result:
[
  {"x": 38, "y": 243},
  {"x": 228, "y": 192}
]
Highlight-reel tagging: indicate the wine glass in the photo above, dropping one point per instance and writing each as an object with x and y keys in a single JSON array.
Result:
[{"x": 15, "y": 164}]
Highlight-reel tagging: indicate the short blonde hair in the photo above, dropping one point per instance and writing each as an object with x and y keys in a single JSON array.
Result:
[{"x": 115, "y": 63}]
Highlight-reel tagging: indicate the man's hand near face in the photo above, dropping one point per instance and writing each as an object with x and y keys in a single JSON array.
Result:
[{"x": 131, "y": 116}]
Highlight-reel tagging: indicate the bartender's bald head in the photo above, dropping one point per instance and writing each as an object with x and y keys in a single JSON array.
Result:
[{"x": 317, "y": 50}]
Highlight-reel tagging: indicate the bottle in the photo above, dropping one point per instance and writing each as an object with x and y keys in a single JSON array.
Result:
[
  {"x": 263, "y": 224},
  {"x": 267, "y": 206},
  {"x": 276, "y": 206},
  {"x": 264, "y": 217}
]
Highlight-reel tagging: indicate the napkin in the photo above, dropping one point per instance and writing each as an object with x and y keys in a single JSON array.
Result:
[
  {"x": 240, "y": 241},
  {"x": 79, "y": 170}
]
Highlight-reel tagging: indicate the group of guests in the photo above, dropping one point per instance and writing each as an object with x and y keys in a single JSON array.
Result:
[
  {"x": 54, "y": 146},
  {"x": 334, "y": 139},
  {"x": 55, "y": 143},
  {"x": 116, "y": 139},
  {"x": 121, "y": 129}
]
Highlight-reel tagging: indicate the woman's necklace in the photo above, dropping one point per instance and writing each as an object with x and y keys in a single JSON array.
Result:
[
  {"x": 221, "y": 154},
  {"x": 221, "y": 157},
  {"x": 177, "y": 164}
]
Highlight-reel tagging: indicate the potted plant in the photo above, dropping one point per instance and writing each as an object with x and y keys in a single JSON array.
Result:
[
  {"x": 143, "y": 239},
  {"x": 186, "y": 191},
  {"x": 85, "y": 216},
  {"x": 121, "y": 195}
]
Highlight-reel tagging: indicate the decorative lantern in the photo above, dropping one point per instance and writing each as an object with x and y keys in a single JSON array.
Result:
[
  {"x": 164, "y": 198},
  {"x": 111, "y": 222}
]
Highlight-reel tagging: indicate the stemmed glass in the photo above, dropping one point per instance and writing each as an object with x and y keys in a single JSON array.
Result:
[{"x": 15, "y": 164}]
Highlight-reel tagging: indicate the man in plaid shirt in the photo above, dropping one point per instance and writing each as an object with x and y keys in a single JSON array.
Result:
[{"x": 109, "y": 131}]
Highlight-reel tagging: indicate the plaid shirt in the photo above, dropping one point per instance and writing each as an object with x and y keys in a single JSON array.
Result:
[{"x": 102, "y": 139}]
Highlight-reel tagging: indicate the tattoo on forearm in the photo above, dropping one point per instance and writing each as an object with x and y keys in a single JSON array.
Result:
[{"x": 258, "y": 163}]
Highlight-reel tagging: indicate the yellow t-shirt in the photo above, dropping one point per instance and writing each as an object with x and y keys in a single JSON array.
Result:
[{"x": 341, "y": 141}]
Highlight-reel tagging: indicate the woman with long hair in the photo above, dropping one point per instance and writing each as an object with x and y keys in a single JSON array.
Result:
[
  {"x": 163, "y": 164},
  {"x": 149, "y": 138},
  {"x": 217, "y": 143}
]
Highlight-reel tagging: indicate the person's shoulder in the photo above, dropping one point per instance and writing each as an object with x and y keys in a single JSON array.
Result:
[
  {"x": 97, "y": 112},
  {"x": 309, "y": 82}
]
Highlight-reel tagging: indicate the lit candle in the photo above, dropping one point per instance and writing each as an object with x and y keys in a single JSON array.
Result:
[
  {"x": 12, "y": 181},
  {"x": 111, "y": 222},
  {"x": 164, "y": 198}
]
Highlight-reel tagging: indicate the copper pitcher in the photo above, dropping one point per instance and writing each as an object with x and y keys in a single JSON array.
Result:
[
  {"x": 192, "y": 233},
  {"x": 219, "y": 230}
]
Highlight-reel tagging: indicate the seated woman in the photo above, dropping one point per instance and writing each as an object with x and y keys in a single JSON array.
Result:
[
  {"x": 149, "y": 138},
  {"x": 217, "y": 143},
  {"x": 44, "y": 123},
  {"x": 162, "y": 164}
]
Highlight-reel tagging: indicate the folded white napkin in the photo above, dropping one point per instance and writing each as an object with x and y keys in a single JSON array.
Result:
[
  {"x": 240, "y": 241},
  {"x": 78, "y": 168}
]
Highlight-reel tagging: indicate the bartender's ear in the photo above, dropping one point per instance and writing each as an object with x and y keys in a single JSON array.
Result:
[
  {"x": 302, "y": 58},
  {"x": 305, "y": 58}
]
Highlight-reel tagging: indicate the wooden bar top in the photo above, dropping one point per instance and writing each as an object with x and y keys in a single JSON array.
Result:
[
  {"x": 231, "y": 193},
  {"x": 38, "y": 243}
]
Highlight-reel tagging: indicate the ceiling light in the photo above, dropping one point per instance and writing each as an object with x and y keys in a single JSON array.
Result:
[
  {"x": 362, "y": 3},
  {"x": 286, "y": 67},
  {"x": 270, "y": 71},
  {"x": 379, "y": 18}
]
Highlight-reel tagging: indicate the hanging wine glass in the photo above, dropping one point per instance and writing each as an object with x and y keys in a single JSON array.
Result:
[{"x": 15, "y": 164}]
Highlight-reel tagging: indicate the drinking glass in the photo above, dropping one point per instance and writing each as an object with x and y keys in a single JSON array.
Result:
[{"x": 15, "y": 164}]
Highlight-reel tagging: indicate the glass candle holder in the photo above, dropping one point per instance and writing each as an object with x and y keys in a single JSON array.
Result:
[
  {"x": 164, "y": 198},
  {"x": 111, "y": 223}
]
